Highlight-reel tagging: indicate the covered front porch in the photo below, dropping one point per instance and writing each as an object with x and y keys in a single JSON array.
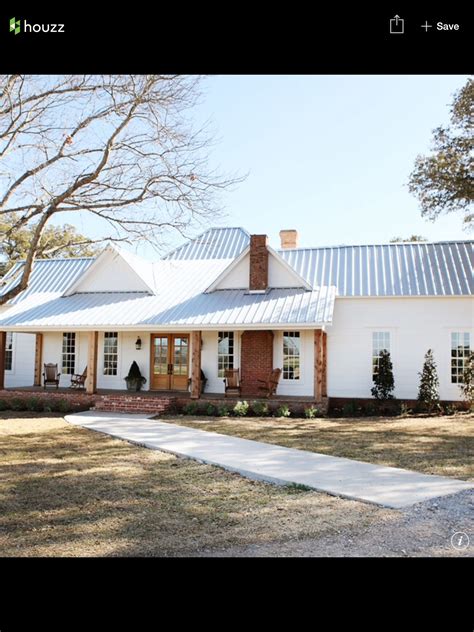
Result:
[{"x": 182, "y": 364}]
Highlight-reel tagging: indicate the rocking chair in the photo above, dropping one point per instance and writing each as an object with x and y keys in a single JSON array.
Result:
[
  {"x": 270, "y": 385},
  {"x": 78, "y": 380},
  {"x": 232, "y": 382},
  {"x": 50, "y": 375}
]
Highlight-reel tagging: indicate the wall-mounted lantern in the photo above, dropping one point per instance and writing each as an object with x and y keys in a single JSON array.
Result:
[{"x": 138, "y": 344}]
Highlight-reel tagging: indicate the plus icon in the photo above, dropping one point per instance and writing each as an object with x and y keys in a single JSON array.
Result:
[{"x": 426, "y": 26}]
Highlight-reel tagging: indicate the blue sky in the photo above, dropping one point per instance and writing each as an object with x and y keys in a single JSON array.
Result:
[{"x": 327, "y": 155}]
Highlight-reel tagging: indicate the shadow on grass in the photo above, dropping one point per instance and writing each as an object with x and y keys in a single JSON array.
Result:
[{"x": 69, "y": 491}]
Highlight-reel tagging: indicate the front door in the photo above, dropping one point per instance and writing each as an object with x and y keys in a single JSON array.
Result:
[{"x": 169, "y": 362}]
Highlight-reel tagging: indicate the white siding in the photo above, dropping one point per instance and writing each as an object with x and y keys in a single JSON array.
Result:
[
  {"x": 415, "y": 325},
  {"x": 112, "y": 274},
  {"x": 278, "y": 275},
  {"x": 52, "y": 353},
  {"x": 214, "y": 383},
  {"x": 238, "y": 277},
  {"x": 127, "y": 353},
  {"x": 23, "y": 361},
  {"x": 305, "y": 385}
]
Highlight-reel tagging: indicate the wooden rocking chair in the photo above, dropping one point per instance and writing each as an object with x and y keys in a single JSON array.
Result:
[
  {"x": 232, "y": 382},
  {"x": 270, "y": 385},
  {"x": 50, "y": 375},
  {"x": 78, "y": 380}
]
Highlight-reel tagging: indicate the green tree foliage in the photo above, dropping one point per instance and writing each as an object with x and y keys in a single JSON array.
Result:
[
  {"x": 467, "y": 386},
  {"x": 384, "y": 382},
  {"x": 443, "y": 181},
  {"x": 428, "y": 394},
  {"x": 397, "y": 240},
  {"x": 56, "y": 241}
]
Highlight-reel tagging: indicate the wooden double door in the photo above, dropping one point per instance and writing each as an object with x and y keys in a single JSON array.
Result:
[{"x": 169, "y": 362}]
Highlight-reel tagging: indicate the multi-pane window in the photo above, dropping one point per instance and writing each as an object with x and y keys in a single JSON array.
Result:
[
  {"x": 110, "y": 352},
  {"x": 380, "y": 342},
  {"x": 9, "y": 351},
  {"x": 225, "y": 352},
  {"x": 69, "y": 353},
  {"x": 460, "y": 350},
  {"x": 291, "y": 355}
]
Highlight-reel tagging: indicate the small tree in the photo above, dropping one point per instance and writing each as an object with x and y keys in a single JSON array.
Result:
[
  {"x": 384, "y": 382},
  {"x": 428, "y": 394},
  {"x": 467, "y": 386}
]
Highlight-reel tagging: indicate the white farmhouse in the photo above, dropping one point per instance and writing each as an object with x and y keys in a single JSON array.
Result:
[{"x": 227, "y": 300}]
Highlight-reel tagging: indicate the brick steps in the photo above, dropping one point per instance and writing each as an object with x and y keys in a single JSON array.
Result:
[{"x": 134, "y": 404}]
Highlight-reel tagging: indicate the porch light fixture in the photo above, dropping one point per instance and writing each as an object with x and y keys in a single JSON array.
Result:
[{"x": 138, "y": 344}]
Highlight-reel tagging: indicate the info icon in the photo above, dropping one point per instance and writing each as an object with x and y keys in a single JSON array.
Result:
[{"x": 397, "y": 25}]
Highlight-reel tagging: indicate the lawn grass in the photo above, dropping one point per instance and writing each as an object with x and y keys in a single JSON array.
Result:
[
  {"x": 432, "y": 445},
  {"x": 68, "y": 491}
]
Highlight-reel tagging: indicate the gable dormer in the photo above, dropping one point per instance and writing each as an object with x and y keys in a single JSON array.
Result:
[
  {"x": 112, "y": 271},
  {"x": 258, "y": 269}
]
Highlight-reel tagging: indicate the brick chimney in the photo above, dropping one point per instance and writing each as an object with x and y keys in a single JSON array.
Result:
[
  {"x": 258, "y": 277},
  {"x": 289, "y": 239}
]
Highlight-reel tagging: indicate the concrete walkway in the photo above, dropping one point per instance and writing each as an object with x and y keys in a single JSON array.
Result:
[{"x": 386, "y": 486}]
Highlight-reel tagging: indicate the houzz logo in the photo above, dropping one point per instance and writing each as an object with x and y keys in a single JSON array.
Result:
[{"x": 16, "y": 27}]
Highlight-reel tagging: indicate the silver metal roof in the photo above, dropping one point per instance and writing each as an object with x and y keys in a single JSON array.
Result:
[
  {"x": 180, "y": 281},
  {"x": 222, "y": 308},
  {"x": 47, "y": 276},
  {"x": 215, "y": 243},
  {"x": 399, "y": 269}
]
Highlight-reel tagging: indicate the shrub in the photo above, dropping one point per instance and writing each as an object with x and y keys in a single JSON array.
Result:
[
  {"x": 428, "y": 395},
  {"x": 241, "y": 409},
  {"x": 211, "y": 410},
  {"x": 34, "y": 404},
  {"x": 283, "y": 411},
  {"x": 371, "y": 409},
  {"x": 17, "y": 404},
  {"x": 260, "y": 409},
  {"x": 3, "y": 404},
  {"x": 311, "y": 412},
  {"x": 223, "y": 411},
  {"x": 191, "y": 409},
  {"x": 467, "y": 386},
  {"x": 351, "y": 409},
  {"x": 449, "y": 409},
  {"x": 63, "y": 406},
  {"x": 383, "y": 380},
  {"x": 405, "y": 410}
]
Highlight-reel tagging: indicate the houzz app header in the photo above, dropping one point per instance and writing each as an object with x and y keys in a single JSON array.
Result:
[{"x": 18, "y": 26}]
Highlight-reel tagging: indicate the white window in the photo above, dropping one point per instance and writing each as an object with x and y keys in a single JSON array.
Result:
[
  {"x": 460, "y": 351},
  {"x": 225, "y": 352},
  {"x": 110, "y": 352},
  {"x": 291, "y": 355},
  {"x": 380, "y": 342},
  {"x": 69, "y": 354},
  {"x": 9, "y": 351}
]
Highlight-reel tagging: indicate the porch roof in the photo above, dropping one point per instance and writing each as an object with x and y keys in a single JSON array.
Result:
[{"x": 234, "y": 308}]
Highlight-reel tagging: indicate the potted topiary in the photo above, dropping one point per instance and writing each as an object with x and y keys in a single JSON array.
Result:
[{"x": 134, "y": 379}]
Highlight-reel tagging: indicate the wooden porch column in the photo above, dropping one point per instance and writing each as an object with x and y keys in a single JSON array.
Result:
[
  {"x": 38, "y": 359},
  {"x": 318, "y": 365},
  {"x": 3, "y": 344},
  {"x": 91, "y": 380},
  {"x": 196, "y": 343},
  {"x": 324, "y": 376}
]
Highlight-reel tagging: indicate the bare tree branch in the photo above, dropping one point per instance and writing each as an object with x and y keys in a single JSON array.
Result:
[{"x": 120, "y": 148}]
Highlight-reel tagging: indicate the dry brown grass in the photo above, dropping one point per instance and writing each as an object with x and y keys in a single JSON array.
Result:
[
  {"x": 67, "y": 491},
  {"x": 433, "y": 445}
]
